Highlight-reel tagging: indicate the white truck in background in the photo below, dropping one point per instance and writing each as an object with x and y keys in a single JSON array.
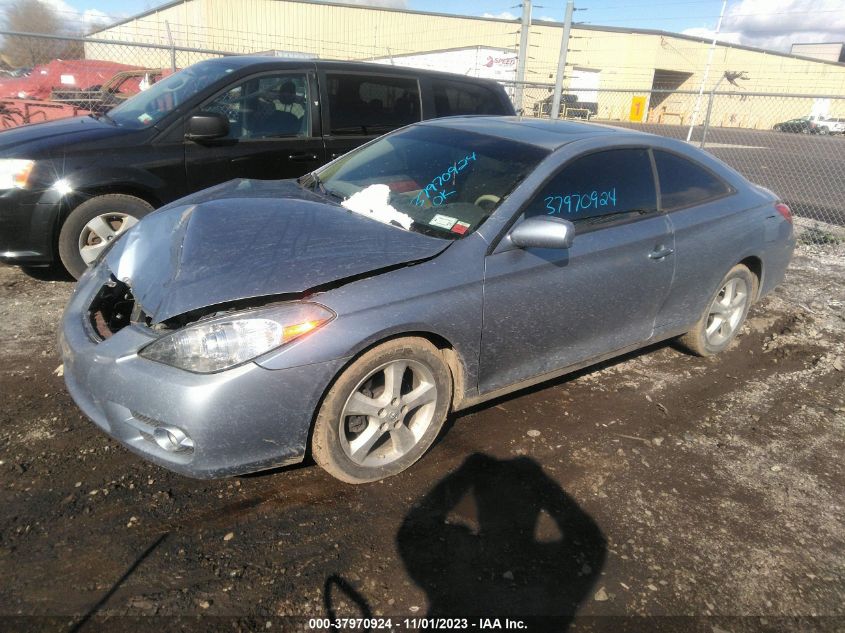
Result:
[{"x": 826, "y": 125}]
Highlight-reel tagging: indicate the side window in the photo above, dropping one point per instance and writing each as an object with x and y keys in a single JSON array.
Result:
[
  {"x": 684, "y": 183},
  {"x": 453, "y": 98},
  {"x": 271, "y": 106},
  {"x": 599, "y": 187},
  {"x": 366, "y": 104}
]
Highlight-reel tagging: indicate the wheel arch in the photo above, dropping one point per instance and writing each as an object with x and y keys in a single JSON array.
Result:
[
  {"x": 83, "y": 194},
  {"x": 755, "y": 265}
]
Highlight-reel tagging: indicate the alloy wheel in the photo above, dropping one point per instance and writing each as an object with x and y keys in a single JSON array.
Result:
[
  {"x": 726, "y": 311},
  {"x": 388, "y": 413}
]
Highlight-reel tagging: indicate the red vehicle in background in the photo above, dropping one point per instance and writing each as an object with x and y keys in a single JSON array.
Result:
[{"x": 65, "y": 88}]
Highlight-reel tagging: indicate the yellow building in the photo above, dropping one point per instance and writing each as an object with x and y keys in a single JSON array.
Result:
[{"x": 604, "y": 62}]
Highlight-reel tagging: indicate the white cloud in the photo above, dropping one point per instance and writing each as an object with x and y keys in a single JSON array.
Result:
[
  {"x": 777, "y": 24},
  {"x": 504, "y": 15}
]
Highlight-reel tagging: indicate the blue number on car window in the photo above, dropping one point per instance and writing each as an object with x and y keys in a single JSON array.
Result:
[
  {"x": 574, "y": 202},
  {"x": 435, "y": 190}
]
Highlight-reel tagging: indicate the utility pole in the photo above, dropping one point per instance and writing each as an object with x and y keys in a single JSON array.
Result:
[
  {"x": 706, "y": 72},
  {"x": 561, "y": 64},
  {"x": 523, "y": 55}
]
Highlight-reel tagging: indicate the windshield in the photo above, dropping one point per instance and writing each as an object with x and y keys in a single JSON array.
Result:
[
  {"x": 439, "y": 181},
  {"x": 148, "y": 107}
]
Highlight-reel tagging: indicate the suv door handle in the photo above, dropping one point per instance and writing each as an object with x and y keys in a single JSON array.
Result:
[
  {"x": 302, "y": 157},
  {"x": 660, "y": 252}
]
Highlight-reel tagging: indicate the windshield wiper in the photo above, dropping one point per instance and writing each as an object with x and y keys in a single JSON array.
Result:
[{"x": 313, "y": 181}]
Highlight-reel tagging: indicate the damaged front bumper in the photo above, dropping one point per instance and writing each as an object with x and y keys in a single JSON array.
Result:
[{"x": 201, "y": 425}]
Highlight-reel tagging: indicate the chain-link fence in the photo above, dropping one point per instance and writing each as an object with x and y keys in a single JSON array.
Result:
[
  {"x": 791, "y": 144},
  {"x": 68, "y": 76}
]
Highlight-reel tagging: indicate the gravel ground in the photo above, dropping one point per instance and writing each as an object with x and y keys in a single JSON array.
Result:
[{"x": 658, "y": 484}]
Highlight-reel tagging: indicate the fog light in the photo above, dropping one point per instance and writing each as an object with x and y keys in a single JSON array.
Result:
[{"x": 172, "y": 439}]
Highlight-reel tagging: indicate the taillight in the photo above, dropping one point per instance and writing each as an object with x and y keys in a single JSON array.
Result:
[{"x": 784, "y": 211}]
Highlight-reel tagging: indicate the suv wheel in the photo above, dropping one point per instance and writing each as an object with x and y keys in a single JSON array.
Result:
[{"x": 95, "y": 223}]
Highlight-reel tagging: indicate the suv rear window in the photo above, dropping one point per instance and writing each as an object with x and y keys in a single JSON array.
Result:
[
  {"x": 453, "y": 98},
  {"x": 367, "y": 104}
]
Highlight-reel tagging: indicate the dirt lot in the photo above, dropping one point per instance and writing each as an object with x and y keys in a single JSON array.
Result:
[{"x": 659, "y": 484}]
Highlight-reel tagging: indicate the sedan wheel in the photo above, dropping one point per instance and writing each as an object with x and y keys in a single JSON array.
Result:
[
  {"x": 726, "y": 311},
  {"x": 725, "y": 314},
  {"x": 377, "y": 430},
  {"x": 383, "y": 412}
]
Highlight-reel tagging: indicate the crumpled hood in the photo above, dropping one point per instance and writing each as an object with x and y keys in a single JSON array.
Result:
[{"x": 248, "y": 239}]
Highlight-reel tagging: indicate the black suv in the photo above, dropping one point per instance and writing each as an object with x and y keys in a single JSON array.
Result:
[{"x": 69, "y": 187}]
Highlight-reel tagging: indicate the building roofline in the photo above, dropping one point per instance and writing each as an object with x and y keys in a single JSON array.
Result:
[{"x": 577, "y": 25}]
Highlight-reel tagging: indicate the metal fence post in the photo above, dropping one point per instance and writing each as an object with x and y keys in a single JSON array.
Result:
[
  {"x": 172, "y": 47},
  {"x": 710, "y": 98}
]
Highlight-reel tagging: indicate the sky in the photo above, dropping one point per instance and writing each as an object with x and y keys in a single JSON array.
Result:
[{"x": 771, "y": 24}]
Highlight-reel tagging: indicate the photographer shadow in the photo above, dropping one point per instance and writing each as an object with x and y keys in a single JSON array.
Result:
[{"x": 500, "y": 538}]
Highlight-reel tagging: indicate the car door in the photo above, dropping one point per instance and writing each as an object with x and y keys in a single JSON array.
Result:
[
  {"x": 274, "y": 131},
  {"x": 712, "y": 232},
  {"x": 546, "y": 309},
  {"x": 358, "y": 107}
]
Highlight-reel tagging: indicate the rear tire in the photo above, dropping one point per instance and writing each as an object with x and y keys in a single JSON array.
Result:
[
  {"x": 93, "y": 224},
  {"x": 725, "y": 313},
  {"x": 383, "y": 412}
]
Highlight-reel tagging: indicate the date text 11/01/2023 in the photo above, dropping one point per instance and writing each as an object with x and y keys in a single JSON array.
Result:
[
  {"x": 423, "y": 623},
  {"x": 575, "y": 202}
]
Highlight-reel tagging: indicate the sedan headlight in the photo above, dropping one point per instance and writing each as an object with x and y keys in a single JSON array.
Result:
[
  {"x": 224, "y": 342},
  {"x": 14, "y": 172}
]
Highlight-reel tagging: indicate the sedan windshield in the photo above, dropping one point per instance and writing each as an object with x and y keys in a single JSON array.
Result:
[
  {"x": 148, "y": 107},
  {"x": 435, "y": 180}
]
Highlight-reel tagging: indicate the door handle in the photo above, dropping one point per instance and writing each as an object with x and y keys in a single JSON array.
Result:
[
  {"x": 660, "y": 253},
  {"x": 302, "y": 157}
]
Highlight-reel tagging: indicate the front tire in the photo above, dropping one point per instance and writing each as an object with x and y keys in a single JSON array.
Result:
[
  {"x": 383, "y": 412},
  {"x": 93, "y": 224},
  {"x": 725, "y": 313}
]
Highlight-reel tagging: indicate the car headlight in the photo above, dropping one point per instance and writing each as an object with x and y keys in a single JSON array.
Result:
[
  {"x": 14, "y": 172},
  {"x": 224, "y": 342}
]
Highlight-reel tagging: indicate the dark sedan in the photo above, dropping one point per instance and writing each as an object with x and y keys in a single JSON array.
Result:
[
  {"x": 443, "y": 265},
  {"x": 802, "y": 126}
]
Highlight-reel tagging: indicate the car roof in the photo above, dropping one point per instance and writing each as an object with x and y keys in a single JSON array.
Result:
[
  {"x": 545, "y": 133},
  {"x": 261, "y": 61}
]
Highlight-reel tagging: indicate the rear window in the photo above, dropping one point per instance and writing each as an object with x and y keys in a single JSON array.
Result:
[
  {"x": 684, "y": 183},
  {"x": 454, "y": 98},
  {"x": 367, "y": 104}
]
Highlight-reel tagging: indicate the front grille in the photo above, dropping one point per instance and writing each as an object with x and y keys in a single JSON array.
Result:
[{"x": 112, "y": 309}]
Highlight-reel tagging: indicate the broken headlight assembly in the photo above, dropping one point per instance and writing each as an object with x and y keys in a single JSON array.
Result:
[{"x": 226, "y": 341}]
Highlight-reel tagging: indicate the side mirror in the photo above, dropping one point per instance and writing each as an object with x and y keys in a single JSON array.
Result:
[
  {"x": 205, "y": 126},
  {"x": 543, "y": 232}
]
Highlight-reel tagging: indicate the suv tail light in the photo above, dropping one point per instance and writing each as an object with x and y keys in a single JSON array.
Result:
[{"x": 784, "y": 211}]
